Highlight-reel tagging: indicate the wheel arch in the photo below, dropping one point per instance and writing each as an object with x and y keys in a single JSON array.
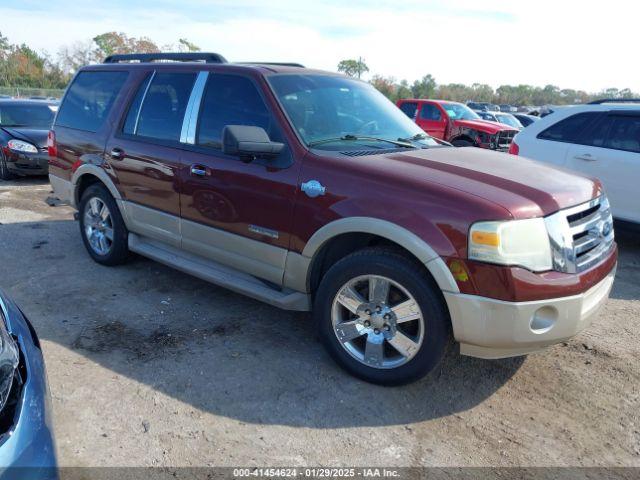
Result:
[
  {"x": 87, "y": 175},
  {"x": 344, "y": 236}
]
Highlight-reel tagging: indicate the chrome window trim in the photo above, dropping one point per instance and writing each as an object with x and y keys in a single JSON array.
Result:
[
  {"x": 144, "y": 97},
  {"x": 190, "y": 121}
]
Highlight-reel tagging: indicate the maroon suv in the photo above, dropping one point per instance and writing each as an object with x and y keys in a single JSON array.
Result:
[{"x": 309, "y": 190}]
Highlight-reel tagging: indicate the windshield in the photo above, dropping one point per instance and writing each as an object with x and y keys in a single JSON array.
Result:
[
  {"x": 509, "y": 120},
  {"x": 343, "y": 111},
  {"x": 23, "y": 115},
  {"x": 456, "y": 111}
]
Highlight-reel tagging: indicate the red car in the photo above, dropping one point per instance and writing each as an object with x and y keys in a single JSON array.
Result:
[
  {"x": 311, "y": 191},
  {"x": 457, "y": 124}
]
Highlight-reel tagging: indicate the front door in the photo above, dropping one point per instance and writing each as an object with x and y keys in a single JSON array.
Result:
[
  {"x": 237, "y": 213},
  {"x": 432, "y": 120}
]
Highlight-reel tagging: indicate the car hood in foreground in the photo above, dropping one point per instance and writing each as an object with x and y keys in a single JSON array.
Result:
[
  {"x": 35, "y": 136},
  {"x": 524, "y": 187}
]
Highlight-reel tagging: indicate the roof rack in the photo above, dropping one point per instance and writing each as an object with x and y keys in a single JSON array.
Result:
[
  {"x": 281, "y": 64},
  {"x": 172, "y": 57},
  {"x": 615, "y": 100}
]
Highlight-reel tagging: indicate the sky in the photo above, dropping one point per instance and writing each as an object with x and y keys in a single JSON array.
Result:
[{"x": 584, "y": 45}]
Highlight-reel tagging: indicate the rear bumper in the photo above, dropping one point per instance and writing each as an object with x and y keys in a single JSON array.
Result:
[
  {"x": 489, "y": 328},
  {"x": 27, "y": 163}
]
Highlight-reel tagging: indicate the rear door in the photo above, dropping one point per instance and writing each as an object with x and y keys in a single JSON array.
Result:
[
  {"x": 144, "y": 152},
  {"x": 432, "y": 120},
  {"x": 610, "y": 151},
  {"x": 233, "y": 212},
  {"x": 553, "y": 144}
]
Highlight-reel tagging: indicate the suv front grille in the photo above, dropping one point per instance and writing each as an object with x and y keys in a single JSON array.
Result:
[
  {"x": 504, "y": 139},
  {"x": 581, "y": 236}
]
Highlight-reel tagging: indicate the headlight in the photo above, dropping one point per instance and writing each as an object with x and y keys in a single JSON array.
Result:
[
  {"x": 8, "y": 362},
  {"x": 523, "y": 243},
  {"x": 20, "y": 146}
]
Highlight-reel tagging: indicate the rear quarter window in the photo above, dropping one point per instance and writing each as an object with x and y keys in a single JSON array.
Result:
[{"x": 89, "y": 100}]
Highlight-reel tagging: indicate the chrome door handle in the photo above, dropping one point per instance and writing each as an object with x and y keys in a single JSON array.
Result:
[
  {"x": 198, "y": 171},
  {"x": 117, "y": 153},
  {"x": 587, "y": 157}
]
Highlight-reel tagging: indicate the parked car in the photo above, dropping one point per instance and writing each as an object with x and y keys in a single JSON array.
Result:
[
  {"x": 600, "y": 140},
  {"x": 311, "y": 191},
  {"x": 482, "y": 106},
  {"x": 525, "y": 119},
  {"x": 26, "y": 439},
  {"x": 24, "y": 125},
  {"x": 507, "y": 108},
  {"x": 457, "y": 124},
  {"x": 501, "y": 117}
]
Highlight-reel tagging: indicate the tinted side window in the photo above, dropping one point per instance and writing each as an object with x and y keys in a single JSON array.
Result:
[
  {"x": 409, "y": 108},
  {"x": 624, "y": 133},
  {"x": 570, "y": 129},
  {"x": 164, "y": 105},
  {"x": 231, "y": 100},
  {"x": 430, "y": 112},
  {"x": 89, "y": 100},
  {"x": 130, "y": 123}
]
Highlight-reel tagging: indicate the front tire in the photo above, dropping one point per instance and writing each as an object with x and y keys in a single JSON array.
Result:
[
  {"x": 5, "y": 174},
  {"x": 103, "y": 231},
  {"x": 382, "y": 318}
]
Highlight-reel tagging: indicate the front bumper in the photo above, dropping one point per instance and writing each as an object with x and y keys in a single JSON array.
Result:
[
  {"x": 27, "y": 163},
  {"x": 27, "y": 448},
  {"x": 489, "y": 328}
]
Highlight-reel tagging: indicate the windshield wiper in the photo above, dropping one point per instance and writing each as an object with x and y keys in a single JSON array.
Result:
[
  {"x": 350, "y": 137},
  {"x": 416, "y": 137}
]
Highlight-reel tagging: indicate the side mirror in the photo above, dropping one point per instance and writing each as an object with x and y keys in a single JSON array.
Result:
[{"x": 248, "y": 142}]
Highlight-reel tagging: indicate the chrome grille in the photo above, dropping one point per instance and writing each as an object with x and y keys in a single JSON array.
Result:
[
  {"x": 581, "y": 236},
  {"x": 504, "y": 139}
]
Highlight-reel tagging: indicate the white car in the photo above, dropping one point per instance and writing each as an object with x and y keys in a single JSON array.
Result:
[{"x": 599, "y": 140}]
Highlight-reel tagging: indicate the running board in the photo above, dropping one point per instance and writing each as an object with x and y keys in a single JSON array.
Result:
[{"x": 218, "y": 274}]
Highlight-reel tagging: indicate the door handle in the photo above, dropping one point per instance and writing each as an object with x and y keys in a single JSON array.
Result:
[
  {"x": 587, "y": 157},
  {"x": 117, "y": 153},
  {"x": 199, "y": 170}
]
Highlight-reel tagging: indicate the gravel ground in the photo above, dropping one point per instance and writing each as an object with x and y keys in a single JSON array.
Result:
[{"x": 150, "y": 367}]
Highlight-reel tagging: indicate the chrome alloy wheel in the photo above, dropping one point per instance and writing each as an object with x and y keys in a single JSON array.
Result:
[
  {"x": 377, "y": 321},
  {"x": 98, "y": 226}
]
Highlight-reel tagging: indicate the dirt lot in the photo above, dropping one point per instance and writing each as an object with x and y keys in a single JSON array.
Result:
[{"x": 148, "y": 366}]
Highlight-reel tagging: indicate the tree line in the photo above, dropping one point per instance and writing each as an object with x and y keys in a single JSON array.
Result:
[
  {"x": 22, "y": 66},
  {"x": 427, "y": 87}
]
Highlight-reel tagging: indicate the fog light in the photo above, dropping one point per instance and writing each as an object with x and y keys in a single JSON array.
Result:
[{"x": 544, "y": 319}]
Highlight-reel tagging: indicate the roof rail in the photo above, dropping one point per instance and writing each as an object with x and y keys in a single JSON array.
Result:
[
  {"x": 173, "y": 57},
  {"x": 615, "y": 100},
  {"x": 282, "y": 64}
]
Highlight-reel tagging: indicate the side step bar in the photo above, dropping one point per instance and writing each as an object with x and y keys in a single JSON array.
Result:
[{"x": 218, "y": 274}]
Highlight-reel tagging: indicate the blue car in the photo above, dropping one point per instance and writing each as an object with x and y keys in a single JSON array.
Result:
[{"x": 27, "y": 450}]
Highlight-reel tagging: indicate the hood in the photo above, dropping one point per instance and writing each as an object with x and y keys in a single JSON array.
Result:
[
  {"x": 524, "y": 187},
  {"x": 484, "y": 126},
  {"x": 37, "y": 137}
]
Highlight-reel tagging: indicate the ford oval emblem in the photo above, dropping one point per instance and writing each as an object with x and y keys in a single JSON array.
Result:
[{"x": 606, "y": 229}]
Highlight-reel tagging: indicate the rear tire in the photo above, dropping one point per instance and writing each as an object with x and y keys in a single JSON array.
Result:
[
  {"x": 462, "y": 143},
  {"x": 5, "y": 174},
  {"x": 103, "y": 231},
  {"x": 362, "y": 327}
]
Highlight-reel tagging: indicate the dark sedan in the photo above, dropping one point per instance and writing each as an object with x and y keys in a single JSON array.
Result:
[
  {"x": 525, "y": 119},
  {"x": 26, "y": 441},
  {"x": 24, "y": 126}
]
